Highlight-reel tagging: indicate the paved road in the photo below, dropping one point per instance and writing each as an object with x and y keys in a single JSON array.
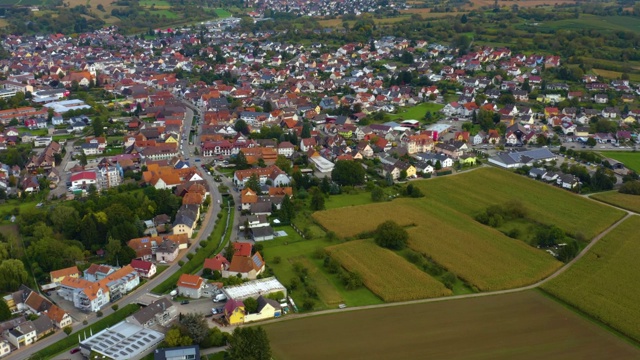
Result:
[
  {"x": 64, "y": 176},
  {"x": 206, "y": 228}
]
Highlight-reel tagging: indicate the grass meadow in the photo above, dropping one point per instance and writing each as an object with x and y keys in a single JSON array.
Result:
[
  {"x": 417, "y": 112},
  {"x": 629, "y": 159},
  {"x": 605, "y": 282}
]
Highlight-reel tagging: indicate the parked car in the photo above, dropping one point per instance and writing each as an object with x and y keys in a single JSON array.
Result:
[
  {"x": 184, "y": 302},
  {"x": 73, "y": 351}
]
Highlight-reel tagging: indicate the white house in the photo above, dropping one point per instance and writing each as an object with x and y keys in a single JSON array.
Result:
[
  {"x": 270, "y": 173},
  {"x": 190, "y": 286},
  {"x": 22, "y": 335},
  {"x": 84, "y": 179},
  {"x": 286, "y": 149},
  {"x": 5, "y": 349}
]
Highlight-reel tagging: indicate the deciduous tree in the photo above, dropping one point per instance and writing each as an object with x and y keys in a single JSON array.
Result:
[{"x": 391, "y": 235}]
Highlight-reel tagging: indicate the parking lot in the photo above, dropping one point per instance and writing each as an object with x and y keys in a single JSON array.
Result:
[{"x": 201, "y": 306}]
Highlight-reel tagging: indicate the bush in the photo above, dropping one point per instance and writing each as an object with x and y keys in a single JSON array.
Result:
[
  {"x": 308, "y": 304},
  {"x": 277, "y": 260},
  {"x": 190, "y": 256},
  {"x": 67, "y": 330},
  {"x": 114, "y": 307},
  {"x": 630, "y": 187},
  {"x": 180, "y": 263},
  {"x": 449, "y": 279},
  {"x": 204, "y": 243},
  {"x": 85, "y": 322}
]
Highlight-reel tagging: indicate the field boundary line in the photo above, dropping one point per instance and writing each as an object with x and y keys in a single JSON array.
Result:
[{"x": 536, "y": 285}]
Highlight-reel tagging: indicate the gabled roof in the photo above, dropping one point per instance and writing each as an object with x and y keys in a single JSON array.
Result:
[
  {"x": 190, "y": 281},
  {"x": 242, "y": 249},
  {"x": 217, "y": 263},
  {"x": 138, "y": 264},
  {"x": 73, "y": 270}
]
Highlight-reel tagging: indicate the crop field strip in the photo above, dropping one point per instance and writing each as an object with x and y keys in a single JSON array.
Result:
[
  {"x": 605, "y": 282},
  {"x": 481, "y": 256},
  {"x": 386, "y": 274},
  {"x": 472, "y": 192},
  {"x": 524, "y": 326},
  {"x": 625, "y": 201}
]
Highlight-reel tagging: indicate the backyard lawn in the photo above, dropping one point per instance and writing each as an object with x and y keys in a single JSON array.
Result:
[
  {"x": 417, "y": 112},
  {"x": 293, "y": 249}
]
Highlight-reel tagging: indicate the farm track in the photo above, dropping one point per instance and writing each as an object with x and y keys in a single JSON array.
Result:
[{"x": 475, "y": 295}]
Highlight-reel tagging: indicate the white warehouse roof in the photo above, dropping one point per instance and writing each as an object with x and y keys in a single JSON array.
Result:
[
  {"x": 122, "y": 341},
  {"x": 255, "y": 288}
]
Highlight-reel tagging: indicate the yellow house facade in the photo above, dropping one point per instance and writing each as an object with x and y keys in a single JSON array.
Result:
[
  {"x": 58, "y": 275},
  {"x": 467, "y": 160},
  {"x": 234, "y": 312}
]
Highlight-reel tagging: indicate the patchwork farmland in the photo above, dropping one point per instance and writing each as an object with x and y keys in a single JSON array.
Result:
[
  {"x": 605, "y": 282},
  {"x": 524, "y": 326},
  {"x": 386, "y": 274},
  {"x": 472, "y": 192},
  {"x": 481, "y": 256}
]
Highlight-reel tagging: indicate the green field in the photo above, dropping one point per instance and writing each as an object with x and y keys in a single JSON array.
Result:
[
  {"x": 587, "y": 21},
  {"x": 222, "y": 13},
  {"x": 523, "y": 326},
  {"x": 293, "y": 249},
  {"x": 605, "y": 282},
  {"x": 472, "y": 192},
  {"x": 158, "y": 4},
  {"x": 342, "y": 200},
  {"x": 628, "y": 158},
  {"x": 165, "y": 12},
  {"x": 480, "y": 255},
  {"x": 625, "y": 201},
  {"x": 417, "y": 112}
]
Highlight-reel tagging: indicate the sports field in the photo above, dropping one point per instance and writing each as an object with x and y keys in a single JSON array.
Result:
[
  {"x": 471, "y": 193},
  {"x": 523, "y": 326},
  {"x": 629, "y": 159},
  {"x": 625, "y": 201},
  {"x": 605, "y": 283}
]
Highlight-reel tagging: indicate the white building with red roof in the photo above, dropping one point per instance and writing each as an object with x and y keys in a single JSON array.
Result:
[
  {"x": 145, "y": 269},
  {"x": 84, "y": 179}
]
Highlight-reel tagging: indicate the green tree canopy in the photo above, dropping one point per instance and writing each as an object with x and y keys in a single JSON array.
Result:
[
  {"x": 249, "y": 343},
  {"x": 348, "y": 173},
  {"x": 390, "y": 235}
]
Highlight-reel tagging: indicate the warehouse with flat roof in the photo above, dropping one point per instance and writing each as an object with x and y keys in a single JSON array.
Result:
[{"x": 122, "y": 341}]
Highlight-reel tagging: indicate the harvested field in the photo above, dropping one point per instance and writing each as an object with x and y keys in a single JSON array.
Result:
[
  {"x": 386, "y": 274},
  {"x": 605, "y": 282},
  {"x": 523, "y": 326},
  {"x": 472, "y": 192},
  {"x": 625, "y": 201}
]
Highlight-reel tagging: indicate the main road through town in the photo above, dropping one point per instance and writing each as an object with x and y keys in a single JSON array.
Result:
[{"x": 205, "y": 229}]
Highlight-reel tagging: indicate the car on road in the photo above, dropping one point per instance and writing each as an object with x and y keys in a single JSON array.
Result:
[
  {"x": 73, "y": 351},
  {"x": 197, "y": 160},
  {"x": 184, "y": 302}
]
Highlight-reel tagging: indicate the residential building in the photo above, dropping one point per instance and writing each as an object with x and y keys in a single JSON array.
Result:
[
  {"x": 22, "y": 335},
  {"x": 5, "y": 349},
  {"x": 234, "y": 312},
  {"x": 190, "y": 286},
  {"x": 145, "y": 269},
  {"x": 167, "y": 252},
  {"x": 160, "y": 312},
  {"x": 58, "y": 275},
  {"x": 267, "y": 309},
  {"x": 177, "y": 353},
  {"x": 97, "y": 272},
  {"x": 272, "y": 173}
]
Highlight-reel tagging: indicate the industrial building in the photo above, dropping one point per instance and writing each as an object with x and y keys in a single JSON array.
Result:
[{"x": 122, "y": 341}]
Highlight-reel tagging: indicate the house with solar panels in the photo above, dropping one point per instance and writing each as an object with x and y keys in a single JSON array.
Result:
[{"x": 248, "y": 265}]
